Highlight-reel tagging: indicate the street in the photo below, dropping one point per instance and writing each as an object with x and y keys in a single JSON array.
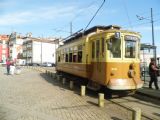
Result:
[{"x": 33, "y": 95}]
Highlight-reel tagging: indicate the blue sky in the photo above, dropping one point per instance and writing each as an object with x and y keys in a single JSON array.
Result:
[{"x": 51, "y": 18}]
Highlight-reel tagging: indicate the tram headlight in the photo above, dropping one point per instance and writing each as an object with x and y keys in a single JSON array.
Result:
[{"x": 131, "y": 72}]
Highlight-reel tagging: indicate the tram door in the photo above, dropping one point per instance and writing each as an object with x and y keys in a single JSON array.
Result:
[{"x": 97, "y": 54}]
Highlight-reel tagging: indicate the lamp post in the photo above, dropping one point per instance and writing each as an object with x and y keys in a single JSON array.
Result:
[{"x": 152, "y": 23}]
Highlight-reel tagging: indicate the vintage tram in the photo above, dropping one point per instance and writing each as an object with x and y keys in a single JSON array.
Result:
[{"x": 104, "y": 55}]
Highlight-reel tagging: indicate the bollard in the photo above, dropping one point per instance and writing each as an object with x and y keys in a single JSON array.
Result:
[
  {"x": 63, "y": 81},
  {"x": 136, "y": 114},
  {"x": 51, "y": 74},
  {"x": 101, "y": 100},
  {"x": 48, "y": 73},
  {"x": 59, "y": 77},
  {"x": 83, "y": 90},
  {"x": 71, "y": 85}
]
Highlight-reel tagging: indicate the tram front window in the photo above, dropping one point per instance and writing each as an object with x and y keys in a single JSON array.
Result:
[
  {"x": 114, "y": 45},
  {"x": 130, "y": 49}
]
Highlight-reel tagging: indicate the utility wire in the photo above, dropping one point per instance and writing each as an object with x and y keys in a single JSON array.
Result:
[
  {"x": 75, "y": 17},
  {"x": 95, "y": 14},
  {"x": 125, "y": 8},
  {"x": 134, "y": 25},
  {"x": 84, "y": 9}
]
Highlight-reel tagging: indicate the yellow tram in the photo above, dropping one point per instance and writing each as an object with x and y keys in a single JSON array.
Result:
[{"x": 105, "y": 55}]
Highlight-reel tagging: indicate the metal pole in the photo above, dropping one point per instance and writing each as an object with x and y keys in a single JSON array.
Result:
[
  {"x": 41, "y": 52},
  {"x": 26, "y": 54},
  {"x": 154, "y": 49}
]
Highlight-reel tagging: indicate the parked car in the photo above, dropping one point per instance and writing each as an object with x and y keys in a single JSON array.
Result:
[
  {"x": 47, "y": 64},
  {"x": 33, "y": 64}
]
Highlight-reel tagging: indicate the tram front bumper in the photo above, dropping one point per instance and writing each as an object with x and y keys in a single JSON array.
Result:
[{"x": 124, "y": 84}]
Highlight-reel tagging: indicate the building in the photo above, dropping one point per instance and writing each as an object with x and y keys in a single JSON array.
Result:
[
  {"x": 15, "y": 46},
  {"x": 146, "y": 54},
  {"x": 39, "y": 50},
  {"x": 4, "y": 49}
]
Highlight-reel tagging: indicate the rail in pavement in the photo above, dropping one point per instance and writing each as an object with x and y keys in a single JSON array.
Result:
[{"x": 146, "y": 91}]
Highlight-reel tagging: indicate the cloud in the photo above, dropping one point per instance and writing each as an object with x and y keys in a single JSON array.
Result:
[
  {"x": 48, "y": 13},
  {"x": 54, "y": 13}
]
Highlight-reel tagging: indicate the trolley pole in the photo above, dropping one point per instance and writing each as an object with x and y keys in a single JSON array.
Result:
[
  {"x": 152, "y": 23},
  {"x": 41, "y": 52},
  {"x": 153, "y": 43}
]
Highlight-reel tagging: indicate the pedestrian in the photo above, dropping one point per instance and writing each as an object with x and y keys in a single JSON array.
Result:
[
  {"x": 153, "y": 72},
  {"x": 8, "y": 64}
]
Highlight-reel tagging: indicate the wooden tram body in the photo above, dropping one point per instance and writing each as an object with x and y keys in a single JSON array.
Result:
[{"x": 105, "y": 55}]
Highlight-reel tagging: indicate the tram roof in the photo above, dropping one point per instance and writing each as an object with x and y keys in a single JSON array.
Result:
[{"x": 90, "y": 30}]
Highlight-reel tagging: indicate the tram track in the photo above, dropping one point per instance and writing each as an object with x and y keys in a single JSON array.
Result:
[
  {"x": 150, "y": 107},
  {"x": 144, "y": 116}
]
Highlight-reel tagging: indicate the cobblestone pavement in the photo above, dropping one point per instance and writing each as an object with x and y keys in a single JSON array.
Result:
[{"x": 34, "y": 96}]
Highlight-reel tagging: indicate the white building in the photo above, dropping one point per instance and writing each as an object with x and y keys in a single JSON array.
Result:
[
  {"x": 146, "y": 54},
  {"x": 38, "y": 51}
]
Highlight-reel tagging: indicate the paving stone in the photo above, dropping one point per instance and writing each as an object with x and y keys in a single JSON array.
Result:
[{"x": 33, "y": 95}]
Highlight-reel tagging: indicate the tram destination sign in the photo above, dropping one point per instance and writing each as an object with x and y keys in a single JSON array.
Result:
[{"x": 129, "y": 37}]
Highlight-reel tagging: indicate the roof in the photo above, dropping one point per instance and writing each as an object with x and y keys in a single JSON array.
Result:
[
  {"x": 147, "y": 46},
  {"x": 90, "y": 30},
  {"x": 30, "y": 39}
]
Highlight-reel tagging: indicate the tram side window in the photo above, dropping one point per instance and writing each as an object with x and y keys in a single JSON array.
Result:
[
  {"x": 59, "y": 58},
  {"x": 75, "y": 57},
  {"x": 115, "y": 47},
  {"x": 70, "y": 57},
  {"x": 102, "y": 46},
  {"x": 93, "y": 49},
  {"x": 75, "y": 54},
  {"x": 97, "y": 48},
  {"x": 66, "y": 57},
  {"x": 80, "y": 53},
  {"x": 79, "y": 56},
  {"x": 130, "y": 49},
  {"x": 62, "y": 57}
]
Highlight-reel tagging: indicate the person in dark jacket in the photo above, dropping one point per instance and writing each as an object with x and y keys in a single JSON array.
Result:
[
  {"x": 8, "y": 64},
  {"x": 153, "y": 72}
]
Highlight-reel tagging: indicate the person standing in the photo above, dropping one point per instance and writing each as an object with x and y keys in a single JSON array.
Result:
[
  {"x": 153, "y": 72},
  {"x": 8, "y": 64}
]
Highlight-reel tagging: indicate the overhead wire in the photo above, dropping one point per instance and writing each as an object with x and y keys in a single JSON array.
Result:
[
  {"x": 126, "y": 10},
  {"x": 95, "y": 14},
  {"x": 76, "y": 16}
]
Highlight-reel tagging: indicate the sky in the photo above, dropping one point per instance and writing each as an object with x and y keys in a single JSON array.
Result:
[{"x": 52, "y": 18}]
